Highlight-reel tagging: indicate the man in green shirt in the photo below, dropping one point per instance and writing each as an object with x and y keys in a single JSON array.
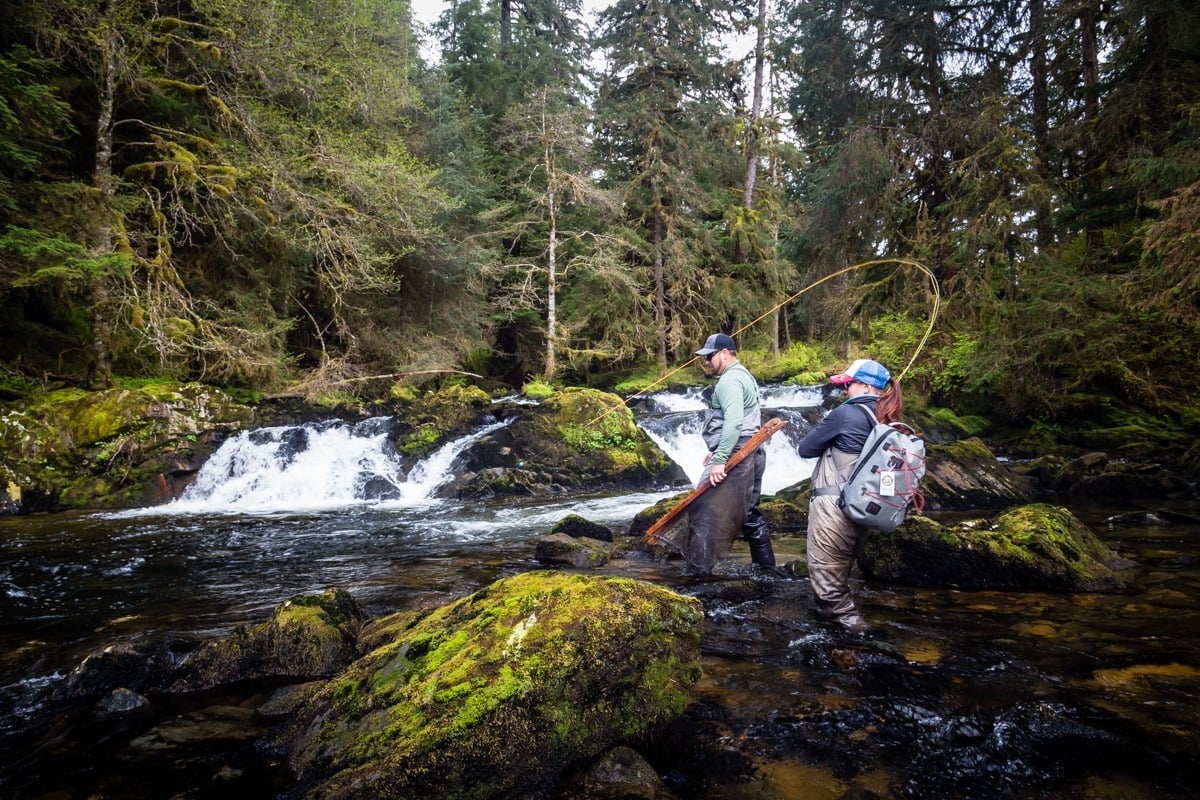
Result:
[{"x": 730, "y": 506}]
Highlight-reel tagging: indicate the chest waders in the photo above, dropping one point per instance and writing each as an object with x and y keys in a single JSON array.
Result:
[{"x": 731, "y": 508}]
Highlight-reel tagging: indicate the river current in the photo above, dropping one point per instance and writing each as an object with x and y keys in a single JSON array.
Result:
[{"x": 953, "y": 695}]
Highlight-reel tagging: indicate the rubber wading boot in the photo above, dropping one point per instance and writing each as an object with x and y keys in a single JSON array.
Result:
[{"x": 758, "y": 536}]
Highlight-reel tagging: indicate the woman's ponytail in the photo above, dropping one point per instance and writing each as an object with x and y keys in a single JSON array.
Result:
[{"x": 891, "y": 403}]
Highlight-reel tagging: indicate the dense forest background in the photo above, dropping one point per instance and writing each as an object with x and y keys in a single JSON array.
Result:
[{"x": 294, "y": 195}]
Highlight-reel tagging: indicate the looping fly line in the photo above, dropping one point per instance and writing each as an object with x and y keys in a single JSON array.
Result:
[{"x": 937, "y": 303}]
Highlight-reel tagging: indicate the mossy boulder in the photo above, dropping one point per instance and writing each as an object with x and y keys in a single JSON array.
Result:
[
  {"x": 649, "y": 515},
  {"x": 309, "y": 636},
  {"x": 503, "y": 691},
  {"x": 73, "y": 449},
  {"x": 1030, "y": 547},
  {"x": 1096, "y": 474},
  {"x": 430, "y": 419},
  {"x": 576, "y": 439}
]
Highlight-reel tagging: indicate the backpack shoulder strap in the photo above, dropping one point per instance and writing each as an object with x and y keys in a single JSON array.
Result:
[{"x": 866, "y": 409}]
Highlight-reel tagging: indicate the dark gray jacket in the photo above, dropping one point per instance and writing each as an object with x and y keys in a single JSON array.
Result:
[{"x": 845, "y": 428}]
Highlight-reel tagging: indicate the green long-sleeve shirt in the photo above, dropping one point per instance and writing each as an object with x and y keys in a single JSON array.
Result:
[{"x": 735, "y": 394}]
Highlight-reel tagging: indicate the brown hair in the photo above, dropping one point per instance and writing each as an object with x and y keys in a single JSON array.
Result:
[{"x": 891, "y": 403}]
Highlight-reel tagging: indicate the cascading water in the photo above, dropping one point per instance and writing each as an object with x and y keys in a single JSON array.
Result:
[
  {"x": 307, "y": 467},
  {"x": 673, "y": 421},
  {"x": 333, "y": 464}
]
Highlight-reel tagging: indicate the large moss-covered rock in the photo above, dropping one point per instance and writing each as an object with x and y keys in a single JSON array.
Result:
[
  {"x": 309, "y": 636},
  {"x": 1033, "y": 547},
  {"x": 501, "y": 692},
  {"x": 115, "y": 448},
  {"x": 576, "y": 439}
]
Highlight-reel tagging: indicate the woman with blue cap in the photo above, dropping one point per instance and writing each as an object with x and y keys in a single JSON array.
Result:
[{"x": 834, "y": 542}]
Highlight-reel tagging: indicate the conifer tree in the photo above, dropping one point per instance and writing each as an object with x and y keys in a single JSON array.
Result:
[{"x": 659, "y": 133}]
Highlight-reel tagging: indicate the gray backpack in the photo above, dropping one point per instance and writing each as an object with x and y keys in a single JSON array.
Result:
[{"x": 884, "y": 481}]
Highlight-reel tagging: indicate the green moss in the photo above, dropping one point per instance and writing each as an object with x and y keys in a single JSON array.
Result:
[
  {"x": 591, "y": 420},
  {"x": 537, "y": 390},
  {"x": 435, "y": 416},
  {"x": 800, "y": 359},
  {"x": 523, "y": 677},
  {"x": 1036, "y": 546},
  {"x": 403, "y": 393}
]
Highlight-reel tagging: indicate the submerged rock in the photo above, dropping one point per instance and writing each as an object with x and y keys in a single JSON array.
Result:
[
  {"x": 502, "y": 692},
  {"x": 120, "y": 702},
  {"x": 1036, "y": 547}
]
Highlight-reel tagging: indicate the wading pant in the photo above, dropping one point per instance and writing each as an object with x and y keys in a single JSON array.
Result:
[
  {"x": 755, "y": 530},
  {"x": 834, "y": 544},
  {"x": 716, "y": 517}
]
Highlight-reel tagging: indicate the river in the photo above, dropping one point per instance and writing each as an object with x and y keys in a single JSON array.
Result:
[{"x": 953, "y": 695}]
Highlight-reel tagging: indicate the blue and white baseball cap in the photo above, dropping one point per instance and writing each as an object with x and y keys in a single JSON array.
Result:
[{"x": 864, "y": 370}]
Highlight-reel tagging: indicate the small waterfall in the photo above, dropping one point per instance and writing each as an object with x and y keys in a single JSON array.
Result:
[
  {"x": 673, "y": 421},
  {"x": 320, "y": 466}
]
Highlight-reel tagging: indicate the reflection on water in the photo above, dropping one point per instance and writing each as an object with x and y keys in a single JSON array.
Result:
[{"x": 956, "y": 694}]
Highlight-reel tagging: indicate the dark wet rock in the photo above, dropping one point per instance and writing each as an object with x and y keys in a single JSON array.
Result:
[
  {"x": 1037, "y": 547},
  {"x": 308, "y": 636},
  {"x": 122, "y": 665},
  {"x": 210, "y": 726},
  {"x": 965, "y": 475},
  {"x": 568, "y": 551},
  {"x": 576, "y": 526},
  {"x": 580, "y": 553},
  {"x": 491, "y": 481},
  {"x": 286, "y": 700},
  {"x": 1098, "y": 474},
  {"x": 575, "y": 439},
  {"x": 119, "y": 702},
  {"x": 377, "y": 487},
  {"x": 502, "y": 692},
  {"x": 620, "y": 774},
  {"x": 384, "y": 630},
  {"x": 1159, "y": 517}
]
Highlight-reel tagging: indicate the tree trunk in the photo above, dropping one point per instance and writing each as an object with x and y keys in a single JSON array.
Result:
[
  {"x": 505, "y": 28},
  {"x": 1041, "y": 113},
  {"x": 102, "y": 318},
  {"x": 551, "y": 366},
  {"x": 660, "y": 290},
  {"x": 740, "y": 255}
]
